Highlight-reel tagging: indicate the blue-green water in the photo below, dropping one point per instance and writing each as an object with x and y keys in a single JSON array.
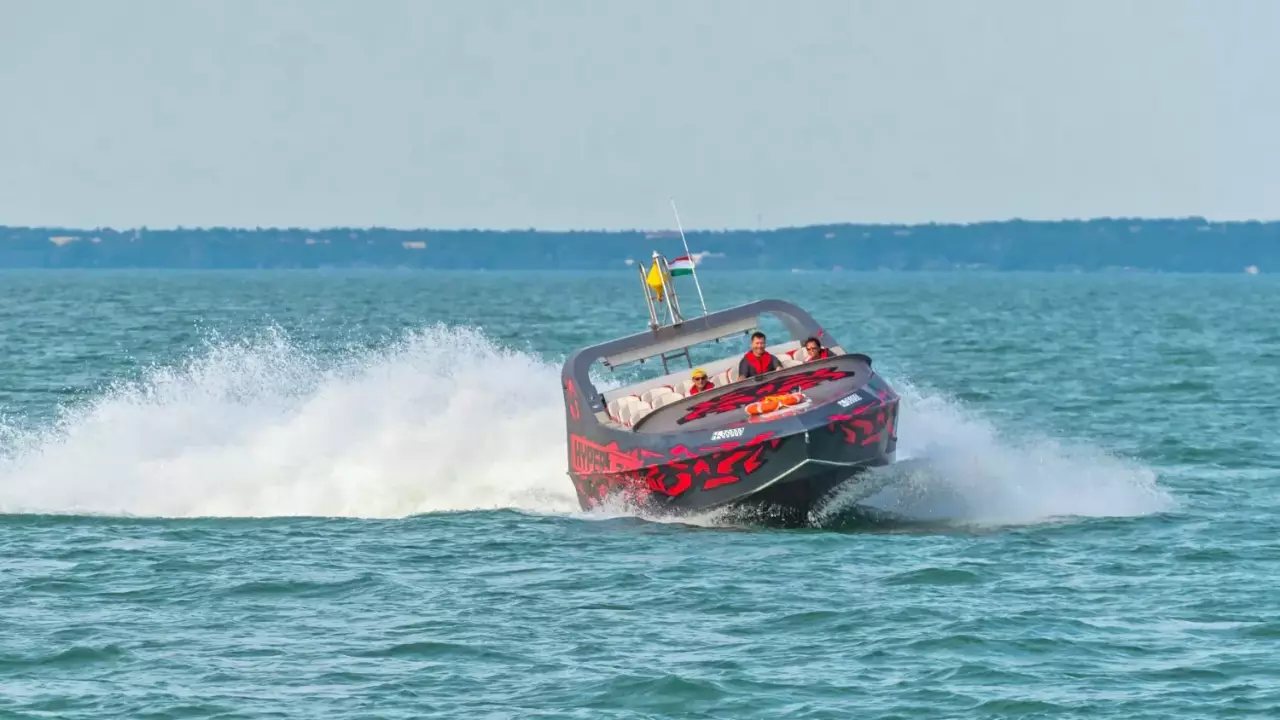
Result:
[{"x": 343, "y": 495}]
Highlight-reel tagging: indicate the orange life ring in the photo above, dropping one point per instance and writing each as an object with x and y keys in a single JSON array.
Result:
[{"x": 770, "y": 403}]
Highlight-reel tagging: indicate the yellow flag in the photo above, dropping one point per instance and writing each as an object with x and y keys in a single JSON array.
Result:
[{"x": 655, "y": 279}]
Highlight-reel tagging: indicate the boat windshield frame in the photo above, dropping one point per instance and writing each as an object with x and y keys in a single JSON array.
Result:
[{"x": 670, "y": 341}]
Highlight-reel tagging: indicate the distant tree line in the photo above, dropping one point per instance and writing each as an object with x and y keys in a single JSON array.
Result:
[{"x": 1179, "y": 245}]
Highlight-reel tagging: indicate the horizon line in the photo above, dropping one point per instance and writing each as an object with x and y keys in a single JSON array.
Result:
[{"x": 621, "y": 231}]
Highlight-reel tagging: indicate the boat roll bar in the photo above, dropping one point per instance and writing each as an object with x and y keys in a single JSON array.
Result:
[{"x": 652, "y": 299}]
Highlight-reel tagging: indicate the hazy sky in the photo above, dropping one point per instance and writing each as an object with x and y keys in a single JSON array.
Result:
[{"x": 591, "y": 114}]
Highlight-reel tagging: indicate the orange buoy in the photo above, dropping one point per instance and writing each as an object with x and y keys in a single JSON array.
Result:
[
  {"x": 789, "y": 399},
  {"x": 767, "y": 405}
]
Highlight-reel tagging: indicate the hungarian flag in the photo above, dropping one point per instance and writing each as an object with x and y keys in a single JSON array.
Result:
[{"x": 681, "y": 266}]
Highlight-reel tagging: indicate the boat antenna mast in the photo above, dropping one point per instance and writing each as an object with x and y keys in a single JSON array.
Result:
[{"x": 693, "y": 264}]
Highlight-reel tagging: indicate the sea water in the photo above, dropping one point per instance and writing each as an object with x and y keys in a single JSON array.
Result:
[{"x": 343, "y": 494}]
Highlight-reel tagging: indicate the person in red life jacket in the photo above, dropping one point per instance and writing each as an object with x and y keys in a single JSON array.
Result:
[
  {"x": 813, "y": 350},
  {"x": 757, "y": 362},
  {"x": 700, "y": 382}
]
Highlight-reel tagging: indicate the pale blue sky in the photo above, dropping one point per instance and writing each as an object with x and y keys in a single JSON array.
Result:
[{"x": 590, "y": 114}]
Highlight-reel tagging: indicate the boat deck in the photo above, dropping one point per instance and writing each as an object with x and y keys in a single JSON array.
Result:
[{"x": 724, "y": 406}]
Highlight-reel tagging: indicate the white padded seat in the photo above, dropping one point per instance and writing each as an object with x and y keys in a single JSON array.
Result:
[
  {"x": 651, "y": 393},
  {"x": 617, "y": 405},
  {"x": 666, "y": 399}
]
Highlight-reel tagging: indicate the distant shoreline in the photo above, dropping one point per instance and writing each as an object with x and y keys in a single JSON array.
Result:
[
  {"x": 392, "y": 270},
  {"x": 1189, "y": 245},
  {"x": 1192, "y": 219}
]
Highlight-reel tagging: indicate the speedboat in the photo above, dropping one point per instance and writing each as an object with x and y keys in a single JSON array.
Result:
[{"x": 773, "y": 446}]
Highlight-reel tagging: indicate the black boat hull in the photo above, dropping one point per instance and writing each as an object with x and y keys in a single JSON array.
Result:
[
  {"x": 800, "y": 501},
  {"x": 705, "y": 452},
  {"x": 795, "y": 500},
  {"x": 778, "y": 471}
]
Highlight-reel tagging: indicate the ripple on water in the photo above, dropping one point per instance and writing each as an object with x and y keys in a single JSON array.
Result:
[
  {"x": 935, "y": 576},
  {"x": 74, "y": 657},
  {"x": 302, "y": 588},
  {"x": 1089, "y": 531}
]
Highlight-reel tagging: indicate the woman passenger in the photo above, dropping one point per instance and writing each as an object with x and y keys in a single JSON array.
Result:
[{"x": 813, "y": 350}]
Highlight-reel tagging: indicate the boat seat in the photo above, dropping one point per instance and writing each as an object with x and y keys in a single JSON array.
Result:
[
  {"x": 666, "y": 399},
  {"x": 721, "y": 379},
  {"x": 788, "y": 361},
  {"x": 616, "y": 405},
  {"x": 649, "y": 395}
]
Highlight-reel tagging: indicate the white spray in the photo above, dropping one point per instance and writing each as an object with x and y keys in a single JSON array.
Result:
[
  {"x": 443, "y": 421},
  {"x": 955, "y": 465}
]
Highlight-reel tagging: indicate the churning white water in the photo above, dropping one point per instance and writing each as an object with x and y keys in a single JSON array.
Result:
[{"x": 444, "y": 420}]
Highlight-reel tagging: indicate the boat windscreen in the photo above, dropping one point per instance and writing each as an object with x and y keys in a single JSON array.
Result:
[
  {"x": 679, "y": 341},
  {"x": 707, "y": 355}
]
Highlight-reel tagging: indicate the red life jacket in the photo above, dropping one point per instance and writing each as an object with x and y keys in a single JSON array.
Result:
[
  {"x": 823, "y": 354},
  {"x": 760, "y": 363},
  {"x": 694, "y": 390}
]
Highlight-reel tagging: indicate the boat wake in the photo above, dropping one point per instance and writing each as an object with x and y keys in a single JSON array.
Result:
[
  {"x": 442, "y": 420},
  {"x": 956, "y": 467},
  {"x": 445, "y": 421}
]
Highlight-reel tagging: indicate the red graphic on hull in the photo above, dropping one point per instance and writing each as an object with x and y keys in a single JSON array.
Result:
[
  {"x": 861, "y": 427},
  {"x": 586, "y": 456},
  {"x": 603, "y": 470},
  {"x": 726, "y": 464},
  {"x": 595, "y": 488},
  {"x": 571, "y": 399},
  {"x": 748, "y": 394}
]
